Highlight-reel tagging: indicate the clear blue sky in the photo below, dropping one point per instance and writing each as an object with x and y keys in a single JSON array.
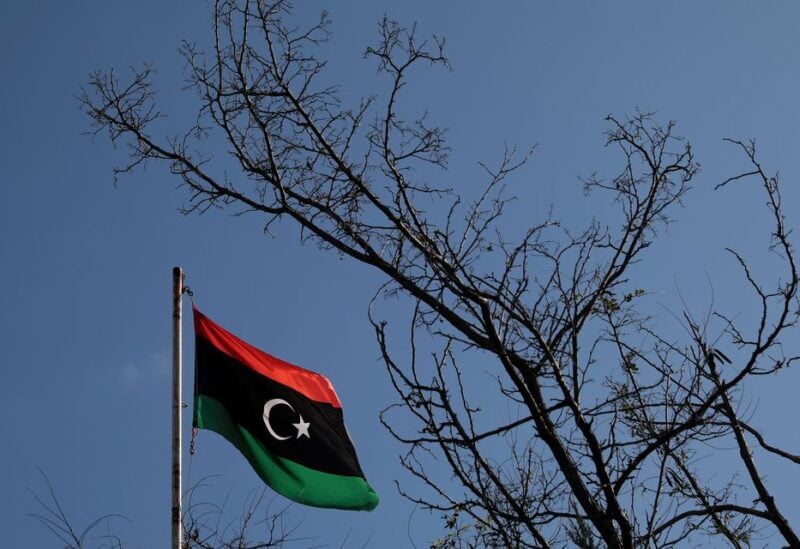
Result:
[{"x": 85, "y": 272}]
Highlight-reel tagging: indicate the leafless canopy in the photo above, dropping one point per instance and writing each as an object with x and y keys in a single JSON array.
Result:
[
  {"x": 259, "y": 525},
  {"x": 52, "y": 516},
  {"x": 606, "y": 418},
  {"x": 206, "y": 525}
]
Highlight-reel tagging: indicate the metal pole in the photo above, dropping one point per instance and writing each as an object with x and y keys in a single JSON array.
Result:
[{"x": 177, "y": 405}]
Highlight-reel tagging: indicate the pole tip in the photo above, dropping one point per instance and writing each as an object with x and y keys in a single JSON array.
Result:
[{"x": 176, "y": 271}]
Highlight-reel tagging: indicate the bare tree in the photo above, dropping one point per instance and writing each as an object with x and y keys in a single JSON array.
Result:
[
  {"x": 205, "y": 525},
  {"x": 606, "y": 416},
  {"x": 52, "y": 516}
]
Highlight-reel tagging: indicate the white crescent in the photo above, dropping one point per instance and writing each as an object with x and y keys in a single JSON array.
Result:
[{"x": 267, "y": 408}]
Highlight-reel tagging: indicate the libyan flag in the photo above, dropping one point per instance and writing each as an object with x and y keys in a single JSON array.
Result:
[{"x": 287, "y": 421}]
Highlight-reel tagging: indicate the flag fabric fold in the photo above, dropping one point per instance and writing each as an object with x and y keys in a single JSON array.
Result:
[{"x": 287, "y": 421}]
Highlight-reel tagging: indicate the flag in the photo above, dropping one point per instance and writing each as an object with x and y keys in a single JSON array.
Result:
[{"x": 287, "y": 421}]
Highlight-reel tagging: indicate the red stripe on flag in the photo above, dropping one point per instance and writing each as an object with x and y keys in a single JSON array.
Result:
[{"x": 311, "y": 384}]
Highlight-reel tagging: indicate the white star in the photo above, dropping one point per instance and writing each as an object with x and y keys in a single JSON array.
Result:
[{"x": 302, "y": 428}]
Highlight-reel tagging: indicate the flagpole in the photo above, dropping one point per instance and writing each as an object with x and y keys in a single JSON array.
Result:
[{"x": 177, "y": 405}]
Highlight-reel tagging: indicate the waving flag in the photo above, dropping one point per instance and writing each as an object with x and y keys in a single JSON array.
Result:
[{"x": 287, "y": 421}]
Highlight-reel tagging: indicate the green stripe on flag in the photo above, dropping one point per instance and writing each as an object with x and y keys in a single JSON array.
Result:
[{"x": 286, "y": 477}]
